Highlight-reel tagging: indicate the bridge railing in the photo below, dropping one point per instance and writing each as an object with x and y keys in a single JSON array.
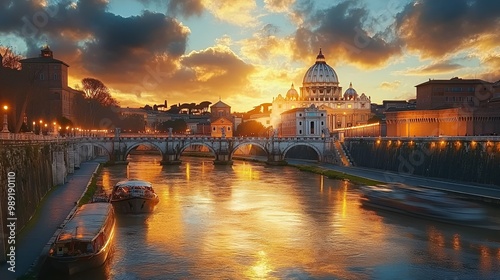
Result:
[{"x": 482, "y": 138}]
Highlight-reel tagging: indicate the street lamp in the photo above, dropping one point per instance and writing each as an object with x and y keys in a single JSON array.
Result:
[{"x": 5, "y": 128}]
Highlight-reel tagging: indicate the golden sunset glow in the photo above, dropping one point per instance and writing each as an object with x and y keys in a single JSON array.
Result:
[{"x": 248, "y": 52}]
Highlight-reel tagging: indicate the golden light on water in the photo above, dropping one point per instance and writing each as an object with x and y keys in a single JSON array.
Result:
[
  {"x": 485, "y": 261},
  {"x": 456, "y": 241},
  {"x": 251, "y": 222},
  {"x": 261, "y": 268},
  {"x": 188, "y": 171},
  {"x": 344, "y": 200}
]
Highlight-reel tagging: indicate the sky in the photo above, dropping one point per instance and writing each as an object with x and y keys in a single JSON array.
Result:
[{"x": 246, "y": 52}]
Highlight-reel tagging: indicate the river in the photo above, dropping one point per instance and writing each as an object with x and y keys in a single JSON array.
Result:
[{"x": 252, "y": 221}]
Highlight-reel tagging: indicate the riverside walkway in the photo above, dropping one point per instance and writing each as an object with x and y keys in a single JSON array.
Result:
[
  {"x": 488, "y": 193},
  {"x": 32, "y": 243}
]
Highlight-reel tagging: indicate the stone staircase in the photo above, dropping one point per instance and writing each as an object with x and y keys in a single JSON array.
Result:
[{"x": 342, "y": 154}]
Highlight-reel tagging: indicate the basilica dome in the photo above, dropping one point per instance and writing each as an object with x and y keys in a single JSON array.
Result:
[
  {"x": 292, "y": 94},
  {"x": 350, "y": 93},
  {"x": 320, "y": 73}
]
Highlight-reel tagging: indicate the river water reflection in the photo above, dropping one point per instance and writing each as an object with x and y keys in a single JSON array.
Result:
[{"x": 251, "y": 221}]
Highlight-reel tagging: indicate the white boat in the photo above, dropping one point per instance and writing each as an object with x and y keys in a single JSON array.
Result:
[
  {"x": 425, "y": 203},
  {"x": 85, "y": 240},
  {"x": 134, "y": 196}
]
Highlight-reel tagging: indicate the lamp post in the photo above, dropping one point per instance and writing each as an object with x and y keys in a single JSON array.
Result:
[
  {"x": 40, "y": 132},
  {"x": 5, "y": 128},
  {"x": 54, "y": 131}
]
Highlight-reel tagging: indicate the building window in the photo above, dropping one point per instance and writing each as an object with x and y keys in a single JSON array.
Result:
[
  {"x": 228, "y": 128},
  {"x": 213, "y": 128},
  {"x": 300, "y": 123},
  {"x": 300, "y": 132},
  {"x": 322, "y": 123},
  {"x": 312, "y": 127},
  {"x": 42, "y": 77},
  {"x": 349, "y": 105},
  {"x": 300, "y": 115}
]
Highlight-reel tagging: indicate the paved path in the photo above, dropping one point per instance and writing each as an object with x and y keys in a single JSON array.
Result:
[
  {"x": 31, "y": 243},
  {"x": 471, "y": 189}
]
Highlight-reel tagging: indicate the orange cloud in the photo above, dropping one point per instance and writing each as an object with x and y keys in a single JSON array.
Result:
[
  {"x": 441, "y": 67},
  {"x": 438, "y": 28},
  {"x": 237, "y": 12}
]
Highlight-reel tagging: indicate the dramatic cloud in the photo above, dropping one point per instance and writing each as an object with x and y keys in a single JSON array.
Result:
[
  {"x": 437, "y": 28},
  {"x": 185, "y": 7},
  {"x": 339, "y": 31},
  {"x": 491, "y": 68},
  {"x": 237, "y": 12},
  {"x": 266, "y": 45},
  {"x": 441, "y": 67},
  {"x": 278, "y": 6}
]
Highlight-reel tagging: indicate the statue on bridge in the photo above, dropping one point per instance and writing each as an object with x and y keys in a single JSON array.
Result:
[{"x": 325, "y": 132}]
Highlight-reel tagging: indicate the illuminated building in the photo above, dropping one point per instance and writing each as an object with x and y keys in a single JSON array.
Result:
[
  {"x": 49, "y": 77},
  {"x": 221, "y": 123},
  {"x": 321, "y": 88},
  {"x": 456, "y": 107}
]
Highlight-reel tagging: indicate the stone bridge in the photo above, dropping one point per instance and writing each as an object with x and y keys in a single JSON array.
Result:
[{"x": 171, "y": 148}]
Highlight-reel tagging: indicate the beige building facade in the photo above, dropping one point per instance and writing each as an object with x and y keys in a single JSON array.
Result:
[{"x": 321, "y": 88}]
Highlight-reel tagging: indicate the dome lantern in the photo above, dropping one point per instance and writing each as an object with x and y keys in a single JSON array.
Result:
[
  {"x": 292, "y": 94},
  {"x": 350, "y": 93},
  {"x": 320, "y": 73}
]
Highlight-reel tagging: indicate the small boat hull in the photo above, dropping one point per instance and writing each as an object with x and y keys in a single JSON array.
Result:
[
  {"x": 134, "y": 196},
  {"x": 77, "y": 264},
  {"x": 427, "y": 204},
  {"x": 85, "y": 240},
  {"x": 134, "y": 205}
]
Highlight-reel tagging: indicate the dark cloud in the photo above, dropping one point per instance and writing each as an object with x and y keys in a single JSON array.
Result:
[
  {"x": 186, "y": 7},
  {"x": 339, "y": 31},
  {"x": 437, "y": 27},
  {"x": 440, "y": 67},
  {"x": 222, "y": 69},
  {"x": 179, "y": 7},
  {"x": 95, "y": 40}
]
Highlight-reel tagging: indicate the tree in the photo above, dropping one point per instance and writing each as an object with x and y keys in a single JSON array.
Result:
[
  {"x": 251, "y": 128},
  {"x": 177, "y": 125},
  {"x": 96, "y": 90},
  {"x": 134, "y": 123},
  {"x": 9, "y": 58},
  {"x": 99, "y": 100}
]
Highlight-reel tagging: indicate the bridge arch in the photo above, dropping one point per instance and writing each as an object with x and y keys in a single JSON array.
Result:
[
  {"x": 242, "y": 144},
  {"x": 106, "y": 149},
  {"x": 318, "y": 152},
  {"x": 146, "y": 143},
  {"x": 187, "y": 145}
]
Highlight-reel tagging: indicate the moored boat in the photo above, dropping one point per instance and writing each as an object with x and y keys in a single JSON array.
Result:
[
  {"x": 134, "y": 196},
  {"x": 425, "y": 203},
  {"x": 85, "y": 240}
]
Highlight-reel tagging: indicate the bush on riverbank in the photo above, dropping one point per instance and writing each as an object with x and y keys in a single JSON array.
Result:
[
  {"x": 91, "y": 189},
  {"x": 332, "y": 174}
]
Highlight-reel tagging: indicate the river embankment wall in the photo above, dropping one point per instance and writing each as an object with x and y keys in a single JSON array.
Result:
[
  {"x": 28, "y": 171},
  {"x": 456, "y": 158}
]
